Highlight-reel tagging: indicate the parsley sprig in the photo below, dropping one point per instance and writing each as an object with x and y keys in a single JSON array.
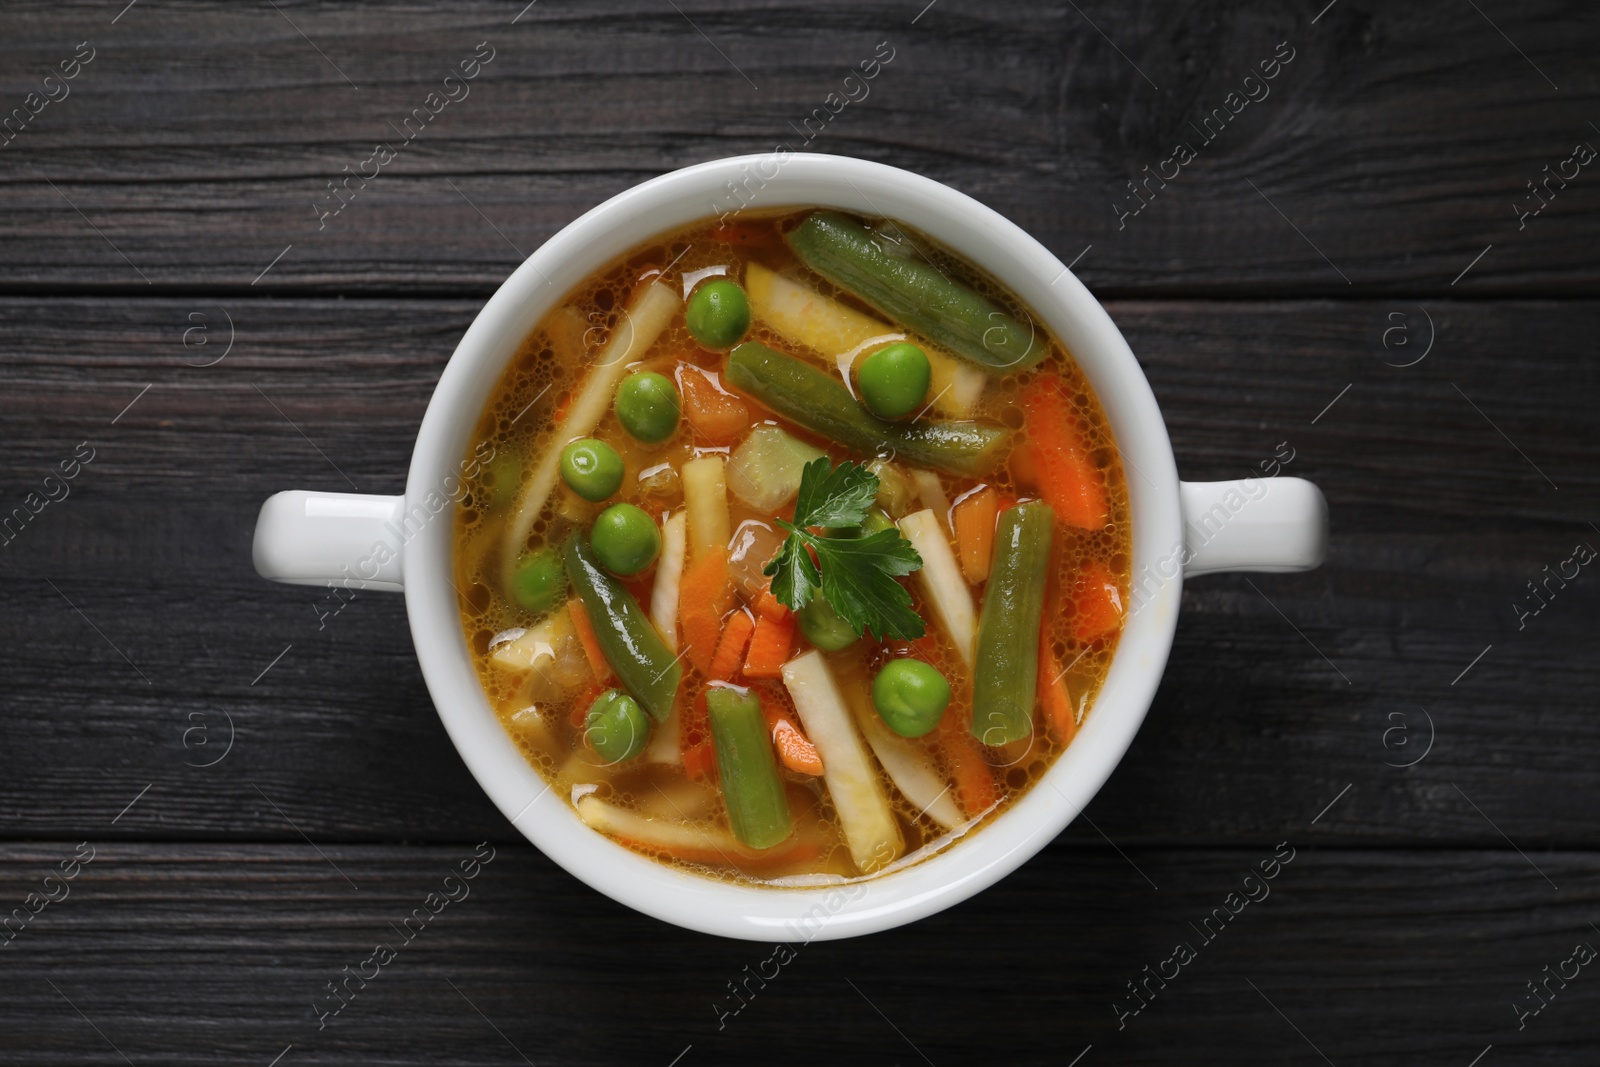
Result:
[{"x": 857, "y": 574}]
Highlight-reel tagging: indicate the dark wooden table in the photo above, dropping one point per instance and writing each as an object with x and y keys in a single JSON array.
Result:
[{"x": 1350, "y": 267}]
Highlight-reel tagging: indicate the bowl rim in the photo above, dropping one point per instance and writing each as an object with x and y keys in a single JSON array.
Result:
[{"x": 994, "y": 244}]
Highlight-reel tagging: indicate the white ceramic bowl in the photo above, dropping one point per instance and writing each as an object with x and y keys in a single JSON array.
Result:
[{"x": 1255, "y": 524}]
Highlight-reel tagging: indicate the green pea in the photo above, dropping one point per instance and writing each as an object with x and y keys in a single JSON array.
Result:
[
  {"x": 648, "y": 406},
  {"x": 910, "y": 696},
  {"x": 895, "y": 380},
  {"x": 823, "y": 627},
  {"x": 539, "y": 581},
  {"x": 625, "y": 539},
  {"x": 718, "y": 313},
  {"x": 616, "y": 727},
  {"x": 591, "y": 468}
]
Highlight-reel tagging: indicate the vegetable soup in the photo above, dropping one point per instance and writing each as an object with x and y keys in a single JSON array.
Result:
[{"x": 802, "y": 552}]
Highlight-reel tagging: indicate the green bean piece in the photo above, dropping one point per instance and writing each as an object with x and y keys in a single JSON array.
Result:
[
  {"x": 758, "y": 808},
  {"x": 818, "y": 401},
  {"x": 627, "y": 638},
  {"x": 538, "y": 582},
  {"x": 1006, "y": 665},
  {"x": 914, "y": 293}
]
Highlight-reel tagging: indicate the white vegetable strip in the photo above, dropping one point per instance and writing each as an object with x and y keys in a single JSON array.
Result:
[
  {"x": 853, "y": 783},
  {"x": 664, "y": 745},
  {"x": 524, "y": 651},
  {"x": 931, "y": 491},
  {"x": 905, "y": 763},
  {"x": 652, "y": 308},
  {"x": 669, "y": 573},
  {"x": 843, "y": 334},
  {"x": 942, "y": 581},
  {"x": 675, "y": 835},
  {"x": 705, "y": 491}
]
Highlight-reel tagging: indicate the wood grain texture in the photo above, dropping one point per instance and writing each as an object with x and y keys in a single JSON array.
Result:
[
  {"x": 1438, "y": 523},
  {"x": 193, "y": 148},
  {"x": 208, "y": 953}
]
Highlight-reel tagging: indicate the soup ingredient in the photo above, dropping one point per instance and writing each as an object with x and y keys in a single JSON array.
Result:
[
  {"x": 1068, "y": 481},
  {"x": 894, "y": 381},
  {"x": 970, "y": 774},
  {"x": 717, "y": 416},
  {"x": 693, "y": 841},
  {"x": 823, "y": 627},
  {"x": 647, "y": 315},
  {"x": 718, "y": 313},
  {"x": 857, "y": 574},
  {"x": 630, "y": 644},
  {"x": 769, "y": 646},
  {"x": 811, "y": 398},
  {"x": 973, "y": 518},
  {"x": 914, "y": 292},
  {"x": 758, "y": 808},
  {"x": 795, "y": 750},
  {"x": 648, "y": 406},
  {"x": 669, "y": 575},
  {"x": 616, "y": 727},
  {"x": 910, "y": 696},
  {"x": 587, "y": 640},
  {"x": 897, "y": 490},
  {"x": 706, "y": 597},
  {"x": 591, "y": 468},
  {"x": 1006, "y": 669},
  {"x": 853, "y": 783},
  {"x": 930, "y": 490},
  {"x": 625, "y": 539},
  {"x": 1099, "y": 602},
  {"x": 805, "y": 317},
  {"x": 754, "y": 545},
  {"x": 764, "y": 471},
  {"x": 705, "y": 493},
  {"x": 943, "y": 588},
  {"x": 730, "y": 649},
  {"x": 1058, "y": 713},
  {"x": 905, "y": 762},
  {"x": 538, "y": 583}
]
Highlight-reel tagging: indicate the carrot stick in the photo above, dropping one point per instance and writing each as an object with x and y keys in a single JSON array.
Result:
[
  {"x": 769, "y": 647},
  {"x": 1068, "y": 480},
  {"x": 969, "y": 772},
  {"x": 705, "y": 596},
  {"x": 1053, "y": 691},
  {"x": 700, "y": 761},
  {"x": 974, "y": 519},
  {"x": 715, "y": 414},
  {"x": 586, "y": 637},
  {"x": 730, "y": 650},
  {"x": 1098, "y": 600},
  {"x": 769, "y": 606},
  {"x": 795, "y": 750}
]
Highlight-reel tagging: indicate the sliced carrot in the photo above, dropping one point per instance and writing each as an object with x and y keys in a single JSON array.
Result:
[
  {"x": 1098, "y": 602},
  {"x": 591, "y": 646},
  {"x": 1068, "y": 480},
  {"x": 794, "y": 748},
  {"x": 974, "y": 519},
  {"x": 969, "y": 772},
  {"x": 717, "y": 416},
  {"x": 769, "y": 647},
  {"x": 769, "y": 606},
  {"x": 704, "y": 597},
  {"x": 1058, "y": 713},
  {"x": 700, "y": 761},
  {"x": 730, "y": 650}
]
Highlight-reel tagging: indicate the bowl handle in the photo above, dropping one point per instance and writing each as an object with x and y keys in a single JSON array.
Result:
[
  {"x": 1255, "y": 524},
  {"x": 325, "y": 538}
]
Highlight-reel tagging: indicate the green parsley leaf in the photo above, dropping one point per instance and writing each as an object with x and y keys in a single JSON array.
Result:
[{"x": 857, "y": 574}]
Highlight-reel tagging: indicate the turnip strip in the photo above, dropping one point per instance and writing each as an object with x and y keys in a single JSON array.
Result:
[
  {"x": 664, "y": 745},
  {"x": 942, "y": 582},
  {"x": 705, "y": 492},
  {"x": 843, "y": 334},
  {"x": 905, "y": 763},
  {"x": 669, "y": 573},
  {"x": 853, "y": 783},
  {"x": 672, "y": 835},
  {"x": 652, "y": 308},
  {"x": 931, "y": 492}
]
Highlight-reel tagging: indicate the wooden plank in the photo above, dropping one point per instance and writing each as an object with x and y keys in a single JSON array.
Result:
[
  {"x": 203, "y": 953},
  {"x": 1438, "y": 523},
  {"x": 1390, "y": 151}
]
